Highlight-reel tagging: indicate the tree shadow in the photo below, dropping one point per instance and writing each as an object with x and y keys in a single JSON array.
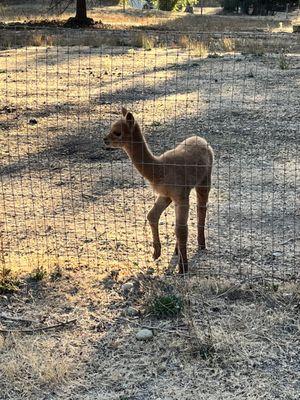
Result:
[
  {"x": 210, "y": 24},
  {"x": 85, "y": 144},
  {"x": 82, "y": 146}
]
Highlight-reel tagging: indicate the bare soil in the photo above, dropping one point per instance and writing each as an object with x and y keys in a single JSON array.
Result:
[{"x": 69, "y": 203}]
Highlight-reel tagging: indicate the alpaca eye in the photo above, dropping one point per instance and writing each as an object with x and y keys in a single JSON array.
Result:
[{"x": 118, "y": 134}]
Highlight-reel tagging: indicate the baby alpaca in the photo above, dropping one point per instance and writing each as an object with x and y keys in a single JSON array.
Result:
[{"x": 172, "y": 175}]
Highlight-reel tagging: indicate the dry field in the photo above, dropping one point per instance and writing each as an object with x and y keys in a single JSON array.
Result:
[
  {"x": 73, "y": 218},
  {"x": 113, "y": 15}
]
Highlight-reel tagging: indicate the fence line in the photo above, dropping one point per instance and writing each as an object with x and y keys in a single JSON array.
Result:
[{"x": 66, "y": 199}]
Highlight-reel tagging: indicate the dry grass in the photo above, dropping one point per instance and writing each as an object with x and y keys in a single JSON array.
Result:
[
  {"x": 115, "y": 17},
  {"x": 196, "y": 47},
  {"x": 241, "y": 341},
  {"x": 254, "y": 46},
  {"x": 34, "y": 365},
  {"x": 78, "y": 212},
  {"x": 228, "y": 44},
  {"x": 222, "y": 23},
  {"x": 38, "y": 38}
]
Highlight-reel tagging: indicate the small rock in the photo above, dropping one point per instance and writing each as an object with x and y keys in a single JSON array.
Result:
[
  {"x": 287, "y": 295},
  {"x": 68, "y": 309},
  {"x": 127, "y": 287},
  {"x": 131, "y": 312},
  {"x": 150, "y": 271},
  {"x": 32, "y": 121},
  {"x": 144, "y": 334},
  {"x": 277, "y": 253}
]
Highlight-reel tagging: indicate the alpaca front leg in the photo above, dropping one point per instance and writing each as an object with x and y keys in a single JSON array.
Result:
[
  {"x": 153, "y": 216},
  {"x": 181, "y": 230}
]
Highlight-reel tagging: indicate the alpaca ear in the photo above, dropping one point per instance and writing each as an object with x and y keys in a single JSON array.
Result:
[
  {"x": 130, "y": 119},
  {"x": 124, "y": 111}
]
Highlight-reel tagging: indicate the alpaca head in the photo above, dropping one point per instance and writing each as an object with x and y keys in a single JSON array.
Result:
[{"x": 122, "y": 131}]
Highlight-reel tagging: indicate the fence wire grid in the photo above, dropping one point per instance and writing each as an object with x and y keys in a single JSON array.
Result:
[{"x": 66, "y": 200}]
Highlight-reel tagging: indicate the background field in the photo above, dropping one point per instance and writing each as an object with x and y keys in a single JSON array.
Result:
[{"x": 112, "y": 14}]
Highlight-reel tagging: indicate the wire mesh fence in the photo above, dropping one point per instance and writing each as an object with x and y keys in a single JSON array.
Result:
[{"x": 66, "y": 199}]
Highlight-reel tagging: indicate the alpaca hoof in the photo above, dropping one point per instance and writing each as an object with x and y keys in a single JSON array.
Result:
[
  {"x": 183, "y": 268},
  {"x": 157, "y": 252},
  {"x": 201, "y": 246}
]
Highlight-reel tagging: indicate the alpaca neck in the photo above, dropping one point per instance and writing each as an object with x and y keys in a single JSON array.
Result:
[{"x": 143, "y": 159}]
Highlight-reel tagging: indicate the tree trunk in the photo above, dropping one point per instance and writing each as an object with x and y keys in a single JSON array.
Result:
[
  {"x": 81, "y": 14},
  {"x": 81, "y": 19}
]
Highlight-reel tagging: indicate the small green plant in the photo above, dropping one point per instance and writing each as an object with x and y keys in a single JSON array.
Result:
[
  {"x": 156, "y": 123},
  {"x": 230, "y": 5},
  {"x": 166, "y": 5},
  {"x": 166, "y": 306},
  {"x": 8, "y": 282},
  {"x": 205, "y": 350},
  {"x": 56, "y": 273},
  {"x": 283, "y": 61},
  {"x": 173, "y": 5},
  {"x": 38, "y": 274}
]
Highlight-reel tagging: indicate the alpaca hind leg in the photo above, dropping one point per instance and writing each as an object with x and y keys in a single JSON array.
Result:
[
  {"x": 181, "y": 230},
  {"x": 202, "y": 198}
]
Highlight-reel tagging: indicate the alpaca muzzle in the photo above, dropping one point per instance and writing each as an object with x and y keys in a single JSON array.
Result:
[{"x": 108, "y": 145}]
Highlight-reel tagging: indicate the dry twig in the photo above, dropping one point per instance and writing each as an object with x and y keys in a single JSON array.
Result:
[
  {"x": 294, "y": 239},
  {"x": 40, "y": 328},
  {"x": 17, "y": 319}
]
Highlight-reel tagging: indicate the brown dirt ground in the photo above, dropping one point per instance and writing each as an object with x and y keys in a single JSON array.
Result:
[{"x": 68, "y": 202}]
